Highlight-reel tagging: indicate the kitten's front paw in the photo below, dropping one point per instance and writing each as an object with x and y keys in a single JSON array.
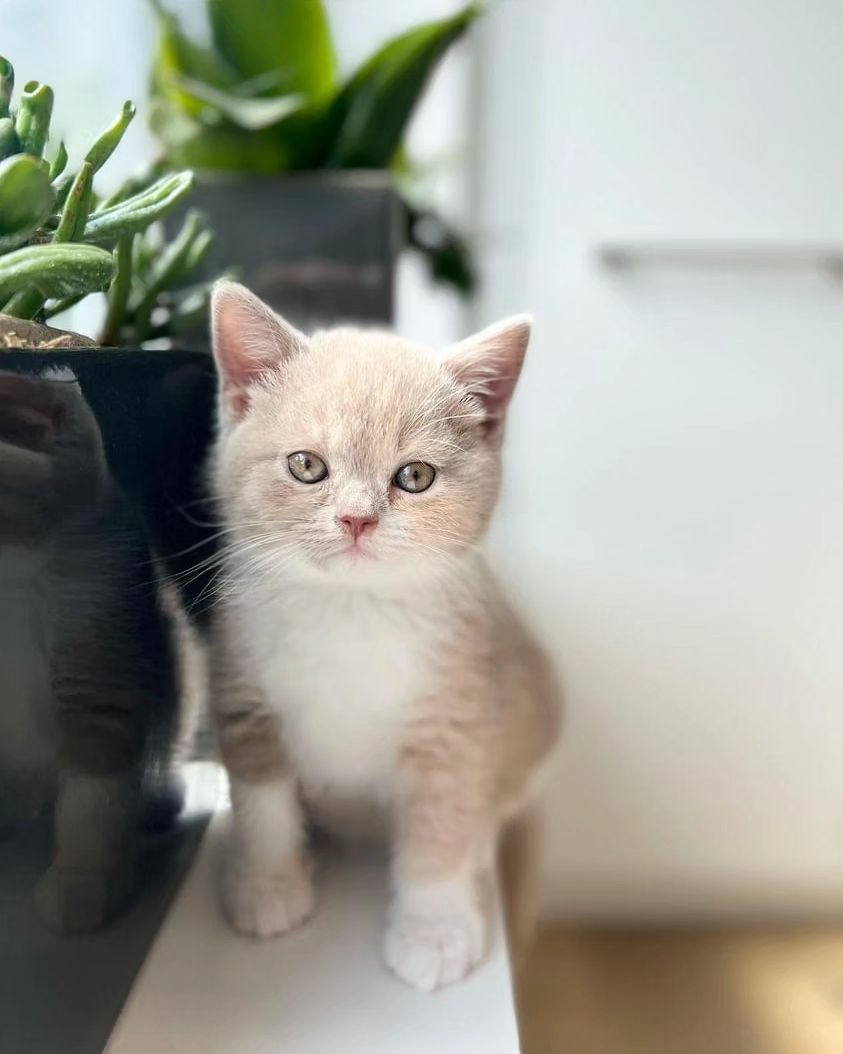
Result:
[
  {"x": 267, "y": 904},
  {"x": 430, "y": 951}
]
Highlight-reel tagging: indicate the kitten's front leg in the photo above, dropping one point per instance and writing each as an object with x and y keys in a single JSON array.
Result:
[
  {"x": 445, "y": 832},
  {"x": 267, "y": 887}
]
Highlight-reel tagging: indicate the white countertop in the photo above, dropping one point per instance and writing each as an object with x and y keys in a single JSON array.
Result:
[{"x": 322, "y": 988}]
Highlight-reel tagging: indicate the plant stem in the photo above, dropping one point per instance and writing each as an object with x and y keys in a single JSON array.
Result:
[
  {"x": 168, "y": 268},
  {"x": 63, "y": 305},
  {"x": 26, "y": 303},
  {"x": 76, "y": 207},
  {"x": 118, "y": 292}
]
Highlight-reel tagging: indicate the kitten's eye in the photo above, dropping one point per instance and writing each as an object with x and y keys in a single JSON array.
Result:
[
  {"x": 307, "y": 467},
  {"x": 415, "y": 477}
]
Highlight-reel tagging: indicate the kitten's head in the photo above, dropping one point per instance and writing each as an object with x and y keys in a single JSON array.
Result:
[{"x": 353, "y": 453}]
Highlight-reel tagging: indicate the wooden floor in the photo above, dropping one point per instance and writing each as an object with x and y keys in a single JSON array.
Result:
[{"x": 683, "y": 992}]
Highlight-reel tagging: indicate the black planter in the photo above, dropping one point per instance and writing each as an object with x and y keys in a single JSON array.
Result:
[
  {"x": 318, "y": 247},
  {"x": 155, "y": 412},
  {"x": 81, "y": 618}
]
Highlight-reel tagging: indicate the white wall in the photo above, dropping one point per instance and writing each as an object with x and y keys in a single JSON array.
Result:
[{"x": 673, "y": 516}]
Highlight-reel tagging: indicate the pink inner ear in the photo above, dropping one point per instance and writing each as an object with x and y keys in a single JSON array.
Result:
[
  {"x": 250, "y": 340},
  {"x": 498, "y": 394},
  {"x": 489, "y": 364},
  {"x": 242, "y": 345}
]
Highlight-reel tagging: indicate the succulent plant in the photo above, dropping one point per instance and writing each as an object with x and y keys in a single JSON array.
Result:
[
  {"x": 155, "y": 294},
  {"x": 264, "y": 98},
  {"x": 59, "y": 242}
]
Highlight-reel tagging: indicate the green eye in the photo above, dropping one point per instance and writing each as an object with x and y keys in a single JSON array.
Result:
[
  {"x": 415, "y": 477},
  {"x": 307, "y": 467}
]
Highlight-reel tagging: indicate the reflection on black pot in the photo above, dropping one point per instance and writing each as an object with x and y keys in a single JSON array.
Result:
[{"x": 87, "y": 678}]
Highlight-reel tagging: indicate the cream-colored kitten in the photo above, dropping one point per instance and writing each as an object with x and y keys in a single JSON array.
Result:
[{"x": 367, "y": 673}]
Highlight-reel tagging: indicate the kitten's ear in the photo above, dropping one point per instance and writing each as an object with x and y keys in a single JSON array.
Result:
[
  {"x": 249, "y": 340},
  {"x": 488, "y": 364}
]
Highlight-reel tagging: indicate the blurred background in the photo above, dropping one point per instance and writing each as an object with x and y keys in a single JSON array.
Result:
[{"x": 659, "y": 183}]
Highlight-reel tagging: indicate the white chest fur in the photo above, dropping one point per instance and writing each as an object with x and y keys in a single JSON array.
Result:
[{"x": 344, "y": 670}]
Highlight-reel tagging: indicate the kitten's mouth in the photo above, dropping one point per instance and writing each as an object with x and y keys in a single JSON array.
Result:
[{"x": 355, "y": 551}]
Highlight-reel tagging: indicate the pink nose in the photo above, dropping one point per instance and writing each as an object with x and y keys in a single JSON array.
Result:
[{"x": 357, "y": 526}]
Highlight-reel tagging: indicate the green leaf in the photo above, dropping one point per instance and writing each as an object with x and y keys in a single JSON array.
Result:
[
  {"x": 178, "y": 57},
  {"x": 7, "y": 84},
  {"x": 77, "y": 205},
  {"x": 32, "y": 122},
  {"x": 372, "y": 110},
  {"x": 170, "y": 267},
  {"x": 55, "y": 270},
  {"x": 250, "y": 113},
  {"x": 189, "y": 313},
  {"x": 26, "y": 303},
  {"x": 26, "y": 198},
  {"x": 135, "y": 184},
  {"x": 137, "y": 212},
  {"x": 9, "y": 143},
  {"x": 108, "y": 142},
  {"x": 59, "y": 162},
  {"x": 290, "y": 38},
  {"x": 220, "y": 148}
]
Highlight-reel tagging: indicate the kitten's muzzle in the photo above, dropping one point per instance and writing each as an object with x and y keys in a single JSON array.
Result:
[{"x": 357, "y": 526}]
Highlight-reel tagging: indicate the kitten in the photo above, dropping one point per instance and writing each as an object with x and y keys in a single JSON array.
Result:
[
  {"x": 87, "y": 691},
  {"x": 366, "y": 670}
]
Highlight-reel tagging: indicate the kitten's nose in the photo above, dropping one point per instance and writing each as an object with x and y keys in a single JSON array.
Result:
[{"x": 357, "y": 525}]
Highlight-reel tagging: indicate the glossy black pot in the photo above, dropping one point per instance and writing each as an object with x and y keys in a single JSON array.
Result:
[{"x": 101, "y": 500}]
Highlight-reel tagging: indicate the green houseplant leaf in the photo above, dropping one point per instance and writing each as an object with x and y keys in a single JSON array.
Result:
[
  {"x": 26, "y": 198},
  {"x": 76, "y": 206},
  {"x": 137, "y": 212},
  {"x": 288, "y": 42},
  {"x": 178, "y": 57},
  {"x": 373, "y": 108},
  {"x": 46, "y": 214},
  {"x": 218, "y": 148},
  {"x": 108, "y": 142},
  {"x": 244, "y": 111},
  {"x": 32, "y": 121},
  {"x": 7, "y": 86},
  {"x": 59, "y": 162},
  {"x": 282, "y": 112},
  {"x": 55, "y": 270},
  {"x": 9, "y": 143}
]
